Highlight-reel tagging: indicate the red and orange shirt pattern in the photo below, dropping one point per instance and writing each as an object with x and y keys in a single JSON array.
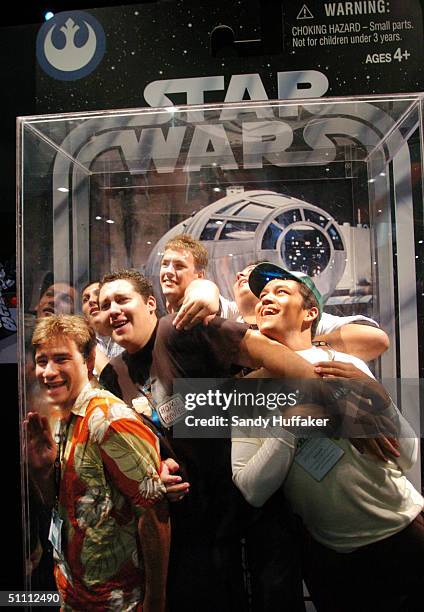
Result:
[{"x": 109, "y": 472}]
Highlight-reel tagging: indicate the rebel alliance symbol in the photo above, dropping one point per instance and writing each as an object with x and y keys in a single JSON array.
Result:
[{"x": 71, "y": 57}]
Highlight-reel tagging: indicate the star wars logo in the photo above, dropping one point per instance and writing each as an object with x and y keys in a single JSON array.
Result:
[
  {"x": 228, "y": 137},
  {"x": 239, "y": 134},
  {"x": 291, "y": 85}
]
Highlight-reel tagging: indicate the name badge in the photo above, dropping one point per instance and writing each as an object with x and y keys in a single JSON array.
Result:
[
  {"x": 171, "y": 411},
  {"x": 317, "y": 456},
  {"x": 55, "y": 532},
  {"x": 142, "y": 406}
]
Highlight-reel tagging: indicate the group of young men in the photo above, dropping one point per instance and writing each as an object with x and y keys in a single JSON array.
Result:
[{"x": 102, "y": 471}]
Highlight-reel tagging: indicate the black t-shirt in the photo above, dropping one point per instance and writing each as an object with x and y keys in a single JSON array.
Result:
[
  {"x": 211, "y": 511},
  {"x": 206, "y": 351},
  {"x": 138, "y": 364},
  {"x": 138, "y": 369}
]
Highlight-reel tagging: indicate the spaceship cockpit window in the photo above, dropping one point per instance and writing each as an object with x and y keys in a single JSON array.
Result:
[
  {"x": 311, "y": 215},
  {"x": 240, "y": 230}
]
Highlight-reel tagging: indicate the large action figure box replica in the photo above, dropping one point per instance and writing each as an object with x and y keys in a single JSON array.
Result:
[{"x": 329, "y": 187}]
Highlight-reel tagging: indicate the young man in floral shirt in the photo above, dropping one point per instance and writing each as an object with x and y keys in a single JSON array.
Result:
[{"x": 99, "y": 473}]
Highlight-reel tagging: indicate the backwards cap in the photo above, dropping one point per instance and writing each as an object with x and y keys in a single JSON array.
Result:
[{"x": 265, "y": 272}]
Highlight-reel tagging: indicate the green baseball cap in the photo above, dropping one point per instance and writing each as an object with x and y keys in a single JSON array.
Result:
[{"x": 265, "y": 272}]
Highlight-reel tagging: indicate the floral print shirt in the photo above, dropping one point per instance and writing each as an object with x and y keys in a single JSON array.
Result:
[{"x": 109, "y": 471}]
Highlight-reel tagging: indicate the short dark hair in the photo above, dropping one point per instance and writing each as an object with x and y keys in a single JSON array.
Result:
[
  {"x": 188, "y": 243},
  {"x": 309, "y": 301},
  {"x": 140, "y": 283},
  {"x": 92, "y": 282},
  {"x": 75, "y": 327}
]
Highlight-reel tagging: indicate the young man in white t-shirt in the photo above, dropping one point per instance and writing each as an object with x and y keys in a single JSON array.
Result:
[
  {"x": 361, "y": 514},
  {"x": 184, "y": 263},
  {"x": 358, "y": 335}
]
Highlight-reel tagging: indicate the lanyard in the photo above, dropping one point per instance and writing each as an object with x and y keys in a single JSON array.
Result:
[
  {"x": 327, "y": 348},
  {"x": 61, "y": 435},
  {"x": 146, "y": 390}
]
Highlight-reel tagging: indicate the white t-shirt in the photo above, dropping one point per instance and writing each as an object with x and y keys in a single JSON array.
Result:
[{"x": 359, "y": 501}]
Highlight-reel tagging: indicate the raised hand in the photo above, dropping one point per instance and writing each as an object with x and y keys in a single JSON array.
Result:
[
  {"x": 383, "y": 445},
  {"x": 382, "y": 448},
  {"x": 330, "y": 369},
  {"x": 200, "y": 305},
  {"x": 41, "y": 447}
]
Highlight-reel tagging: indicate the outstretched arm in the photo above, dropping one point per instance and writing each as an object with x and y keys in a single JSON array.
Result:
[
  {"x": 258, "y": 351},
  {"x": 364, "y": 341},
  {"x": 261, "y": 466}
]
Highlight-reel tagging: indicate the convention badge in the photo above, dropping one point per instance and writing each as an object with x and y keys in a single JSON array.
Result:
[
  {"x": 55, "y": 532},
  {"x": 317, "y": 456},
  {"x": 142, "y": 405},
  {"x": 171, "y": 411}
]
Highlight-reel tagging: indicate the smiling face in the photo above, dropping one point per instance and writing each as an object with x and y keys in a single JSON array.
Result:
[
  {"x": 281, "y": 313},
  {"x": 131, "y": 317},
  {"x": 177, "y": 270},
  {"x": 246, "y": 300},
  {"x": 61, "y": 370}
]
